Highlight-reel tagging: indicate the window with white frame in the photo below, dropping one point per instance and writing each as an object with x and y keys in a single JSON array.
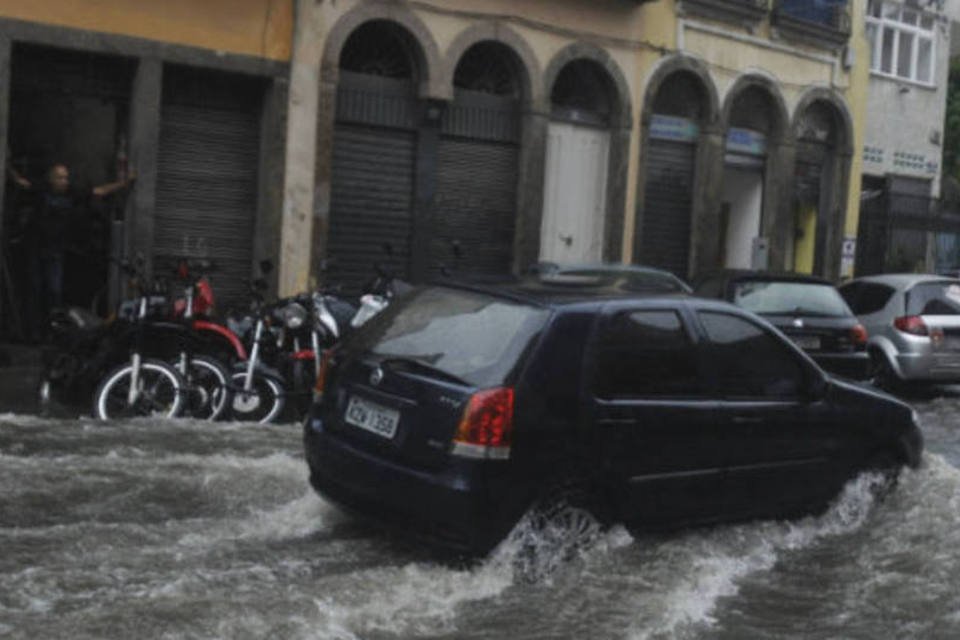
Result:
[{"x": 901, "y": 41}]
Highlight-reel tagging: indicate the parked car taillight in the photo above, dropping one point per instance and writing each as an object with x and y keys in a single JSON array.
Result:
[
  {"x": 322, "y": 374},
  {"x": 858, "y": 335},
  {"x": 914, "y": 325},
  {"x": 486, "y": 426}
]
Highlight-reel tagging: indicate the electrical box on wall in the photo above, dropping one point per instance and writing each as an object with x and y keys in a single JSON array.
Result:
[{"x": 760, "y": 253}]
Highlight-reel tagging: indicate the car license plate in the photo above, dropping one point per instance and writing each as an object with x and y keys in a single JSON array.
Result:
[
  {"x": 372, "y": 417},
  {"x": 808, "y": 343}
]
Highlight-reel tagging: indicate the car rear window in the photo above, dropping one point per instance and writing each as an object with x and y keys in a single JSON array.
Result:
[
  {"x": 475, "y": 337},
  {"x": 934, "y": 299},
  {"x": 632, "y": 280},
  {"x": 865, "y": 298},
  {"x": 790, "y": 298}
]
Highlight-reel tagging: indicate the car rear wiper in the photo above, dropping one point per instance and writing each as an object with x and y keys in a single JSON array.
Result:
[{"x": 413, "y": 365}]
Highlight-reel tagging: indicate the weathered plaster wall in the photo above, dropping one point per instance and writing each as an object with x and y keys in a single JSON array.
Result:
[{"x": 260, "y": 28}]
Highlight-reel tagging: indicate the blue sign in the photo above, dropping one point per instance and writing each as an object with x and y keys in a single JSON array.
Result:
[
  {"x": 747, "y": 142},
  {"x": 673, "y": 128}
]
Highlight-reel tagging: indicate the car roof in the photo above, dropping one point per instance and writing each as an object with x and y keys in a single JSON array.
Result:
[
  {"x": 611, "y": 269},
  {"x": 903, "y": 280},
  {"x": 559, "y": 290},
  {"x": 752, "y": 274}
]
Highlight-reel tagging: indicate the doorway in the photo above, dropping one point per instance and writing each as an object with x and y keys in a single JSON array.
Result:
[
  {"x": 574, "y": 193},
  {"x": 742, "y": 207},
  {"x": 66, "y": 107},
  {"x": 577, "y": 163}
]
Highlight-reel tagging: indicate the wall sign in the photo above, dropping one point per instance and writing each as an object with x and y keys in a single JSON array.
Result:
[
  {"x": 673, "y": 128},
  {"x": 747, "y": 142}
]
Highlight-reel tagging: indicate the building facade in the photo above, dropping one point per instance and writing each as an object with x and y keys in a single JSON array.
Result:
[
  {"x": 909, "y": 61},
  {"x": 192, "y": 96},
  {"x": 688, "y": 135},
  {"x": 768, "y": 98}
]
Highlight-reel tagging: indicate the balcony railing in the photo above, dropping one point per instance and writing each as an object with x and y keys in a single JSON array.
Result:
[
  {"x": 829, "y": 13},
  {"x": 822, "y": 21},
  {"x": 731, "y": 10}
]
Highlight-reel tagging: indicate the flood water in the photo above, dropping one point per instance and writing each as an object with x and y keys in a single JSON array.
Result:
[{"x": 148, "y": 529}]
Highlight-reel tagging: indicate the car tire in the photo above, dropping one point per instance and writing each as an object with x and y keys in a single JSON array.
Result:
[
  {"x": 888, "y": 465},
  {"x": 558, "y": 528},
  {"x": 882, "y": 374}
]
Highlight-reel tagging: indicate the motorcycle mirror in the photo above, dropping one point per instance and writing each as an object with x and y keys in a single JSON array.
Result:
[{"x": 266, "y": 266}]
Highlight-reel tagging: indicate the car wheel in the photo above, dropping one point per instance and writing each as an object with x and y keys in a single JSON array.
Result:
[
  {"x": 556, "y": 530},
  {"x": 882, "y": 374},
  {"x": 887, "y": 466}
]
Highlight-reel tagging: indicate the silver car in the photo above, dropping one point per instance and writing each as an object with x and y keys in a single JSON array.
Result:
[{"x": 913, "y": 321}]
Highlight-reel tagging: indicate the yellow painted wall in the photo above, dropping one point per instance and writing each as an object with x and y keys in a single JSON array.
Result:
[
  {"x": 659, "y": 20},
  {"x": 857, "y": 97},
  {"x": 262, "y": 28}
]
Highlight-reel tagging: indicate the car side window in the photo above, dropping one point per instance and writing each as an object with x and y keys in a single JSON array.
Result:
[
  {"x": 749, "y": 361},
  {"x": 645, "y": 354}
]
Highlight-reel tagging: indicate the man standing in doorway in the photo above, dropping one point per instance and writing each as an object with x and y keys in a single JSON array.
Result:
[{"x": 56, "y": 210}]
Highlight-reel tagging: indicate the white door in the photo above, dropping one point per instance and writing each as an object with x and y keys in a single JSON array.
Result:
[
  {"x": 575, "y": 193},
  {"x": 743, "y": 197}
]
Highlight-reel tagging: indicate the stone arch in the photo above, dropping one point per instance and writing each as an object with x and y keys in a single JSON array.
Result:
[
  {"x": 841, "y": 112},
  {"x": 681, "y": 63},
  {"x": 622, "y": 118},
  {"x": 426, "y": 53},
  {"x": 527, "y": 66},
  {"x": 780, "y": 129}
]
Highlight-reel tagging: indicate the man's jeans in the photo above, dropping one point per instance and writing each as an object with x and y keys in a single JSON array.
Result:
[{"x": 47, "y": 276}]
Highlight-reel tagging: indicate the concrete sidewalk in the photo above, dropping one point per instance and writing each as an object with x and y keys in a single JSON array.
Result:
[{"x": 20, "y": 370}]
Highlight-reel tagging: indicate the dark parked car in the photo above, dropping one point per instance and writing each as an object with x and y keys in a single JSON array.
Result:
[
  {"x": 809, "y": 310},
  {"x": 459, "y": 408}
]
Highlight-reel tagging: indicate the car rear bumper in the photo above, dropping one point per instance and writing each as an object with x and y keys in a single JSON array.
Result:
[
  {"x": 449, "y": 507},
  {"x": 855, "y": 366},
  {"x": 934, "y": 367}
]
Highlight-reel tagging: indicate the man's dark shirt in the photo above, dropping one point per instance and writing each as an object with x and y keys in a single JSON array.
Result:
[{"x": 56, "y": 217}]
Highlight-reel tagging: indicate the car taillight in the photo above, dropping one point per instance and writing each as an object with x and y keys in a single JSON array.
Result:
[
  {"x": 325, "y": 360},
  {"x": 914, "y": 325},
  {"x": 858, "y": 335},
  {"x": 486, "y": 427}
]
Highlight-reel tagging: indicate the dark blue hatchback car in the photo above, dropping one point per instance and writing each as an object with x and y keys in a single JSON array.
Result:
[{"x": 460, "y": 408}]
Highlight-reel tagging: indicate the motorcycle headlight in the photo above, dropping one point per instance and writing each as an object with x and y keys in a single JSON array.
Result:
[{"x": 294, "y": 315}]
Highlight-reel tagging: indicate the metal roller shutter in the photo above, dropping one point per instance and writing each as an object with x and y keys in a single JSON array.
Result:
[
  {"x": 207, "y": 181},
  {"x": 371, "y": 201},
  {"x": 665, "y": 230},
  {"x": 476, "y": 196}
]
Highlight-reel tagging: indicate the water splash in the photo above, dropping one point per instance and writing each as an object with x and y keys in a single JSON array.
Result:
[{"x": 707, "y": 566}]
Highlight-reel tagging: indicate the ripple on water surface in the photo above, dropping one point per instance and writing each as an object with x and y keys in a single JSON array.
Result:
[{"x": 152, "y": 529}]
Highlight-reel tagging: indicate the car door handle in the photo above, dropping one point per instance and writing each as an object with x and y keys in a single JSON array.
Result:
[{"x": 747, "y": 419}]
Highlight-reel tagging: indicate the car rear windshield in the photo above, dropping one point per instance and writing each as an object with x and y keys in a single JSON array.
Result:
[
  {"x": 632, "y": 280},
  {"x": 470, "y": 336},
  {"x": 790, "y": 298},
  {"x": 934, "y": 299}
]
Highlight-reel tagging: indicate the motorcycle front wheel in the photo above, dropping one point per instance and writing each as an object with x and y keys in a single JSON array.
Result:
[
  {"x": 160, "y": 392},
  {"x": 264, "y": 401}
]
